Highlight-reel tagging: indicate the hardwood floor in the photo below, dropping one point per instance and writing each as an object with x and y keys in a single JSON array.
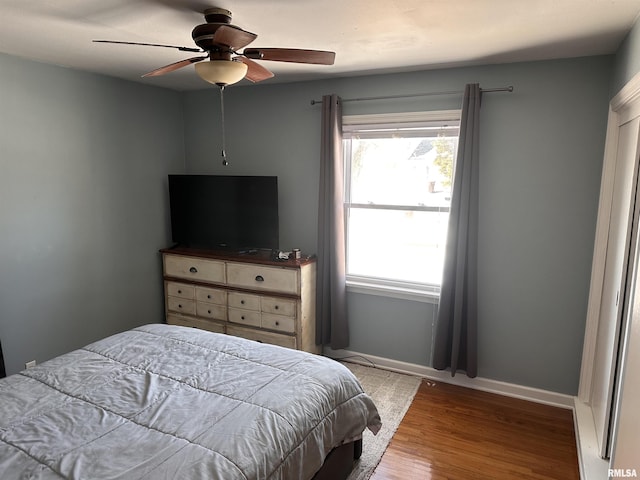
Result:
[{"x": 456, "y": 433}]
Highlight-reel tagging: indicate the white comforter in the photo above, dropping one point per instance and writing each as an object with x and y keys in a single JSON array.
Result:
[{"x": 165, "y": 402}]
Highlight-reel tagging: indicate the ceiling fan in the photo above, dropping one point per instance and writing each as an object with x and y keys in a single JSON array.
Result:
[{"x": 221, "y": 41}]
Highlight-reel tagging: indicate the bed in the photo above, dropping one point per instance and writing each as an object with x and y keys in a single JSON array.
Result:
[{"x": 166, "y": 402}]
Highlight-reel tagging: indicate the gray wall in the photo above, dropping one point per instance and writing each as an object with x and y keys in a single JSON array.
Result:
[
  {"x": 627, "y": 62},
  {"x": 541, "y": 150},
  {"x": 83, "y": 206},
  {"x": 83, "y": 202}
]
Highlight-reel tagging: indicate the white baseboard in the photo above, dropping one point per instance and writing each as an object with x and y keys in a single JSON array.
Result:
[{"x": 485, "y": 384}]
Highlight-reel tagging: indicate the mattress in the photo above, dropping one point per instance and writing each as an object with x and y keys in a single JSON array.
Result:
[{"x": 165, "y": 402}]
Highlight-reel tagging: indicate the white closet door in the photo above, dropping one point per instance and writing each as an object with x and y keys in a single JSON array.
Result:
[
  {"x": 615, "y": 275},
  {"x": 627, "y": 423}
]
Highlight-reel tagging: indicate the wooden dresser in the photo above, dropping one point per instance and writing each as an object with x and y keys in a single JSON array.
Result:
[{"x": 246, "y": 295}]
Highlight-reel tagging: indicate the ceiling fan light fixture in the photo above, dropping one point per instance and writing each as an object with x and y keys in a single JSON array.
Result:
[{"x": 221, "y": 72}]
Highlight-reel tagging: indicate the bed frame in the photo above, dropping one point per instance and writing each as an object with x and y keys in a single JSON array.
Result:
[{"x": 339, "y": 462}]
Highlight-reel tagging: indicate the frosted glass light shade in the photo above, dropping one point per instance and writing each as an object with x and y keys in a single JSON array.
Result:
[{"x": 221, "y": 72}]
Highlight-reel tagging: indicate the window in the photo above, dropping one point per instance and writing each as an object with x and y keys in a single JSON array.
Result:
[{"x": 398, "y": 177}]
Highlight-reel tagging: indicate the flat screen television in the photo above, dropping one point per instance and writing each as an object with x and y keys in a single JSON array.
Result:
[{"x": 224, "y": 211}]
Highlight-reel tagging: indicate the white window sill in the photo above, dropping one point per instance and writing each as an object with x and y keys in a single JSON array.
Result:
[{"x": 417, "y": 294}]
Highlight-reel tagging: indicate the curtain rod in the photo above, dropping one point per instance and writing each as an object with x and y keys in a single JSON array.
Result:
[{"x": 454, "y": 92}]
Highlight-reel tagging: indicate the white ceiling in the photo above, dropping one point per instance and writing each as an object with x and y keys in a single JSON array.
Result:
[{"x": 368, "y": 36}]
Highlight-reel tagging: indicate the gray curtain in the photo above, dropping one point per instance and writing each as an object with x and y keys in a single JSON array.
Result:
[
  {"x": 331, "y": 296},
  {"x": 455, "y": 344}
]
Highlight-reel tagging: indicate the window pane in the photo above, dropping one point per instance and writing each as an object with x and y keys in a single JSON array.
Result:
[
  {"x": 402, "y": 171},
  {"x": 399, "y": 171},
  {"x": 397, "y": 245}
]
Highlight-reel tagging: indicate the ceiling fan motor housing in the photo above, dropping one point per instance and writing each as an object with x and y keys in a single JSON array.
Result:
[
  {"x": 217, "y": 15},
  {"x": 203, "y": 35}
]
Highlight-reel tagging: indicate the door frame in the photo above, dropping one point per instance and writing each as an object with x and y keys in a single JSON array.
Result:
[{"x": 622, "y": 108}]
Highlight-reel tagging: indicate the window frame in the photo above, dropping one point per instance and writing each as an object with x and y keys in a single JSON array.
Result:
[{"x": 370, "y": 285}]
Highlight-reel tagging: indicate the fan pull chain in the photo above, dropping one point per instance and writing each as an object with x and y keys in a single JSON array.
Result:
[{"x": 224, "y": 153}]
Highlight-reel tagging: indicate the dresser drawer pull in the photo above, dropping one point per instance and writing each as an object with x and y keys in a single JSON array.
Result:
[
  {"x": 276, "y": 307},
  {"x": 277, "y": 323},
  {"x": 209, "y": 312},
  {"x": 208, "y": 296},
  {"x": 242, "y": 317},
  {"x": 259, "y": 278},
  {"x": 179, "y": 306},
  {"x": 193, "y": 270},
  {"x": 241, "y": 302},
  {"x": 179, "y": 291}
]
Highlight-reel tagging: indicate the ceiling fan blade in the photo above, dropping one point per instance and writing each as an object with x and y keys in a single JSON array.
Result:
[
  {"x": 255, "y": 71},
  {"x": 233, "y": 36},
  {"x": 182, "y": 49},
  {"x": 173, "y": 66},
  {"x": 293, "y": 55}
]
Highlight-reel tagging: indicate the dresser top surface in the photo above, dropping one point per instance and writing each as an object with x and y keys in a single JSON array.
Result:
[{"x": 263, "y": 257}]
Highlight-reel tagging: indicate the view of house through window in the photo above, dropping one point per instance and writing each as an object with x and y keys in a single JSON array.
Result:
[{"x": 398, "y": 182}]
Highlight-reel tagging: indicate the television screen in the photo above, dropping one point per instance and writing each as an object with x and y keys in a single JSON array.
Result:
[{"x": 224, "y": 212}]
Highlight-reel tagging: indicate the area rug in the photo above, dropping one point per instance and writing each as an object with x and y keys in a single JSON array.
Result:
[{"x": 392, "y": 393}]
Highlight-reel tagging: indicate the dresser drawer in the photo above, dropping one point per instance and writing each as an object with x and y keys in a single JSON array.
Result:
[
  {"x": 245, "y": 317},
  {"x": 181, "y": 305},
  {"x": 211, "y": 310},
  {"x": 244, "y": 300},
  {"x": 258, "y": 277},
  {"x": 279, "y": 323},
  {"x": 211, "y": 295},
  {"x": 278, "y": 306},
  {"x": 196, "y": 323},
  {"x": 261, "y": 336},
  {"x": 182, "y": 290},
  {"x": 194, "y": 268}
]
